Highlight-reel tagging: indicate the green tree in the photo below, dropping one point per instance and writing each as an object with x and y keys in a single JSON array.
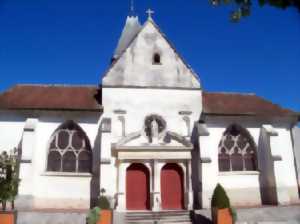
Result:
[{"x": 242, "y": 8}]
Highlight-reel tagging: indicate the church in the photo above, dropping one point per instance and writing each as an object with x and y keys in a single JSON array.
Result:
[{"x": 149, "y": 136}]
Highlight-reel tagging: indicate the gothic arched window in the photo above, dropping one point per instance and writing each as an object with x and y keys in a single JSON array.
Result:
[
  {"x": 237, "y": 151},
  {"x": 156, "y": 59},
  {"x": 69, "y": 150}
]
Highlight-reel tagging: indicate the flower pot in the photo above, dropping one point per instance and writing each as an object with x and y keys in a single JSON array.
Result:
[
  {"x": 222, "y": 216},
  {"x": 105, "y": 217},
  {"x": 8, "y": 217}
]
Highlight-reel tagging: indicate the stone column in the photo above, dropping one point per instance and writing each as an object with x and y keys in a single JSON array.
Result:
[
  {"x": 189, "y": 185},
  {"x": 121, "y": 194},
  {"x": 156, "y": 194},
  {"x": 25, "y": 197},
  {"x": 205, "y": 169}
]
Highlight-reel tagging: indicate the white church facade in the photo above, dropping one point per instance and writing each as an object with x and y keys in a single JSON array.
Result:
[{"x": 149, "y": 135}]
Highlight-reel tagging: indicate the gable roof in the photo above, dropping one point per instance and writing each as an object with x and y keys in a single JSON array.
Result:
[
  {"x": 88, "y": 98},
  {"x": 51, "y": 97},
  {"x": 242, "y": 104},
  {"x": 134, "y": 38}
]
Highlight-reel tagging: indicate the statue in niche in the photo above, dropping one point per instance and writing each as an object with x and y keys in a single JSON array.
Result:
[
  {"x": 154, "y": 126},
  {"x": 154, "y": 131}
]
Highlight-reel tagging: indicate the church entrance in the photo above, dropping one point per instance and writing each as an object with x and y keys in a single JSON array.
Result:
[
  {"x": 137, "y": 187},
  {"x": 172, "y": 196}
]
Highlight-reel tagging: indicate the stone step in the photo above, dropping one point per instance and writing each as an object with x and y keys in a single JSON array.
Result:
[
  {"x": 163, "y": 217},
  {"x": 159, "y": 222},
  {"x": 165, "y": 213}
]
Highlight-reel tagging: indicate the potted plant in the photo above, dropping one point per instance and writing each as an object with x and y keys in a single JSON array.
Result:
[
  {"x": 105, "y": 210},
  {"x": 9, "y": 182},
  {"x": 221, "y": 211}
]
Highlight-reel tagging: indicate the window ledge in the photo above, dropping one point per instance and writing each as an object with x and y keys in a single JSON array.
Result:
[
  {"x": 231, "y": 173},
  {"x": 67, "y": 174}
]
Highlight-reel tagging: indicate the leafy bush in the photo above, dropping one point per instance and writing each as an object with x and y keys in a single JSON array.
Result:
[
  {"x": 104, "y": 202},
  {"x": 9, "y": 180},
  {"x": 220, "y": 199},
  {"x": 93, "y": 215}
]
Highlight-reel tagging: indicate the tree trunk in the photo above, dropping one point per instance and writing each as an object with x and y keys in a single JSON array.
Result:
[
  {"x": 3, "y": 205},
  {"x": 13, "y": 205}
]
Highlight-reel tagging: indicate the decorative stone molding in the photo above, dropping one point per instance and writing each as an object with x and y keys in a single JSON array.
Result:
[
  {"x": 105, "y": 161},
  {"x": 106, "y": 125},
  {"x": 270, "y": 130},
  {"x": 66, "y": 174},
  {"x": 276, "y": 157},
  {"x": 185, "y": 112},
  {"x": 202, "y": 129},
  {"x": 205, "y": 160},
  {"x": 28, "y": 139},
  {"x": 188, "y": 125},
  {"x": 122, "y": 120},
  {"x": 129, "y": 138},
  {"x": 122, "y": 112},
  {"x": 30, "y": 125}
]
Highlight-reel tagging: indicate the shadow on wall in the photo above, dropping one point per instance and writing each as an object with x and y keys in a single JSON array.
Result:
[
  {"x": 197, "y": 218},
  {"x": 95, "y": 181},
  {"x": 196, "y": 167},
  {"x": 266, "y": 167},
  {"x": 296, "y": 144}
]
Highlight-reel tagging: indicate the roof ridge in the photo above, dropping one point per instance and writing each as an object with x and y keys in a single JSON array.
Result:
[
  {"x": 55, "y": 85},
  {"x": 240, "y": 93}
]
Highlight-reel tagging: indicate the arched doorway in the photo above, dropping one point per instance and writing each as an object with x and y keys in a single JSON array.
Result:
[
  {"x": 137, "y": 187},
  {"x": 172, "y": 187}
]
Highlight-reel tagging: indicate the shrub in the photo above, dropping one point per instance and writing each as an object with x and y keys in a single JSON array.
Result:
[
  {"x": 104, "y": 202},
  {"x": 93, "y": 215},
  {"x": 9, "y": 180},
  {"x": 220, "y": 199}
]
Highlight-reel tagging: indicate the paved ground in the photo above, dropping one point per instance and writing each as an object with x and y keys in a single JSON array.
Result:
[{"x": 261, "y": 215}]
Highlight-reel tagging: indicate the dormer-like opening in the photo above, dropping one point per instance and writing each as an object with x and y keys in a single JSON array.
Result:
[{"x": 156, "y": 59}]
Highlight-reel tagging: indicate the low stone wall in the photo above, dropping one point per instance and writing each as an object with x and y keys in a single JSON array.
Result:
[
  {"x": 51, "y": 217},
  {"x": 260, "y": 215}
]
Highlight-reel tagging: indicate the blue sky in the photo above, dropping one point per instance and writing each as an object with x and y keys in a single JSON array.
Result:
[{"x": 71, "y": 42}]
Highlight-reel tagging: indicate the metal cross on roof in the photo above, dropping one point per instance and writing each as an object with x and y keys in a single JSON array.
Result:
[
  {"x": 132, "y": 7},
  {"x": 150, "y": 12}
]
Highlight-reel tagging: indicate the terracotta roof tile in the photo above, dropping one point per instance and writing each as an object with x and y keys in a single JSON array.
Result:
[
  {"x": 51, "y": 97},
  {"x": 241, "y": 104},
  {"x": 59, "y": 97}
]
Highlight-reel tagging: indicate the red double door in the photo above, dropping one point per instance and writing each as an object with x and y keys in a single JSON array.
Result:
[
  {"x": 171, "y": 181},
  {"x": 138, "y": 187}
]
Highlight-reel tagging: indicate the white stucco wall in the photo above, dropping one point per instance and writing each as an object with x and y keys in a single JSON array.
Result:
[
  {"x": 11, "y": 128},
  {"x": 243, "y": 188},
  {"x": 135, "y": 67},
  {"x": 138, "y": 103},
  {"x": 296, "y": 135},
  {"x": 41, "y": 189}
]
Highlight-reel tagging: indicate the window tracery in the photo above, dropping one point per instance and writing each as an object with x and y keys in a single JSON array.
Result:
[
  {"x": 69, "y": 150},
  {"x": 237, "y": 151}
]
